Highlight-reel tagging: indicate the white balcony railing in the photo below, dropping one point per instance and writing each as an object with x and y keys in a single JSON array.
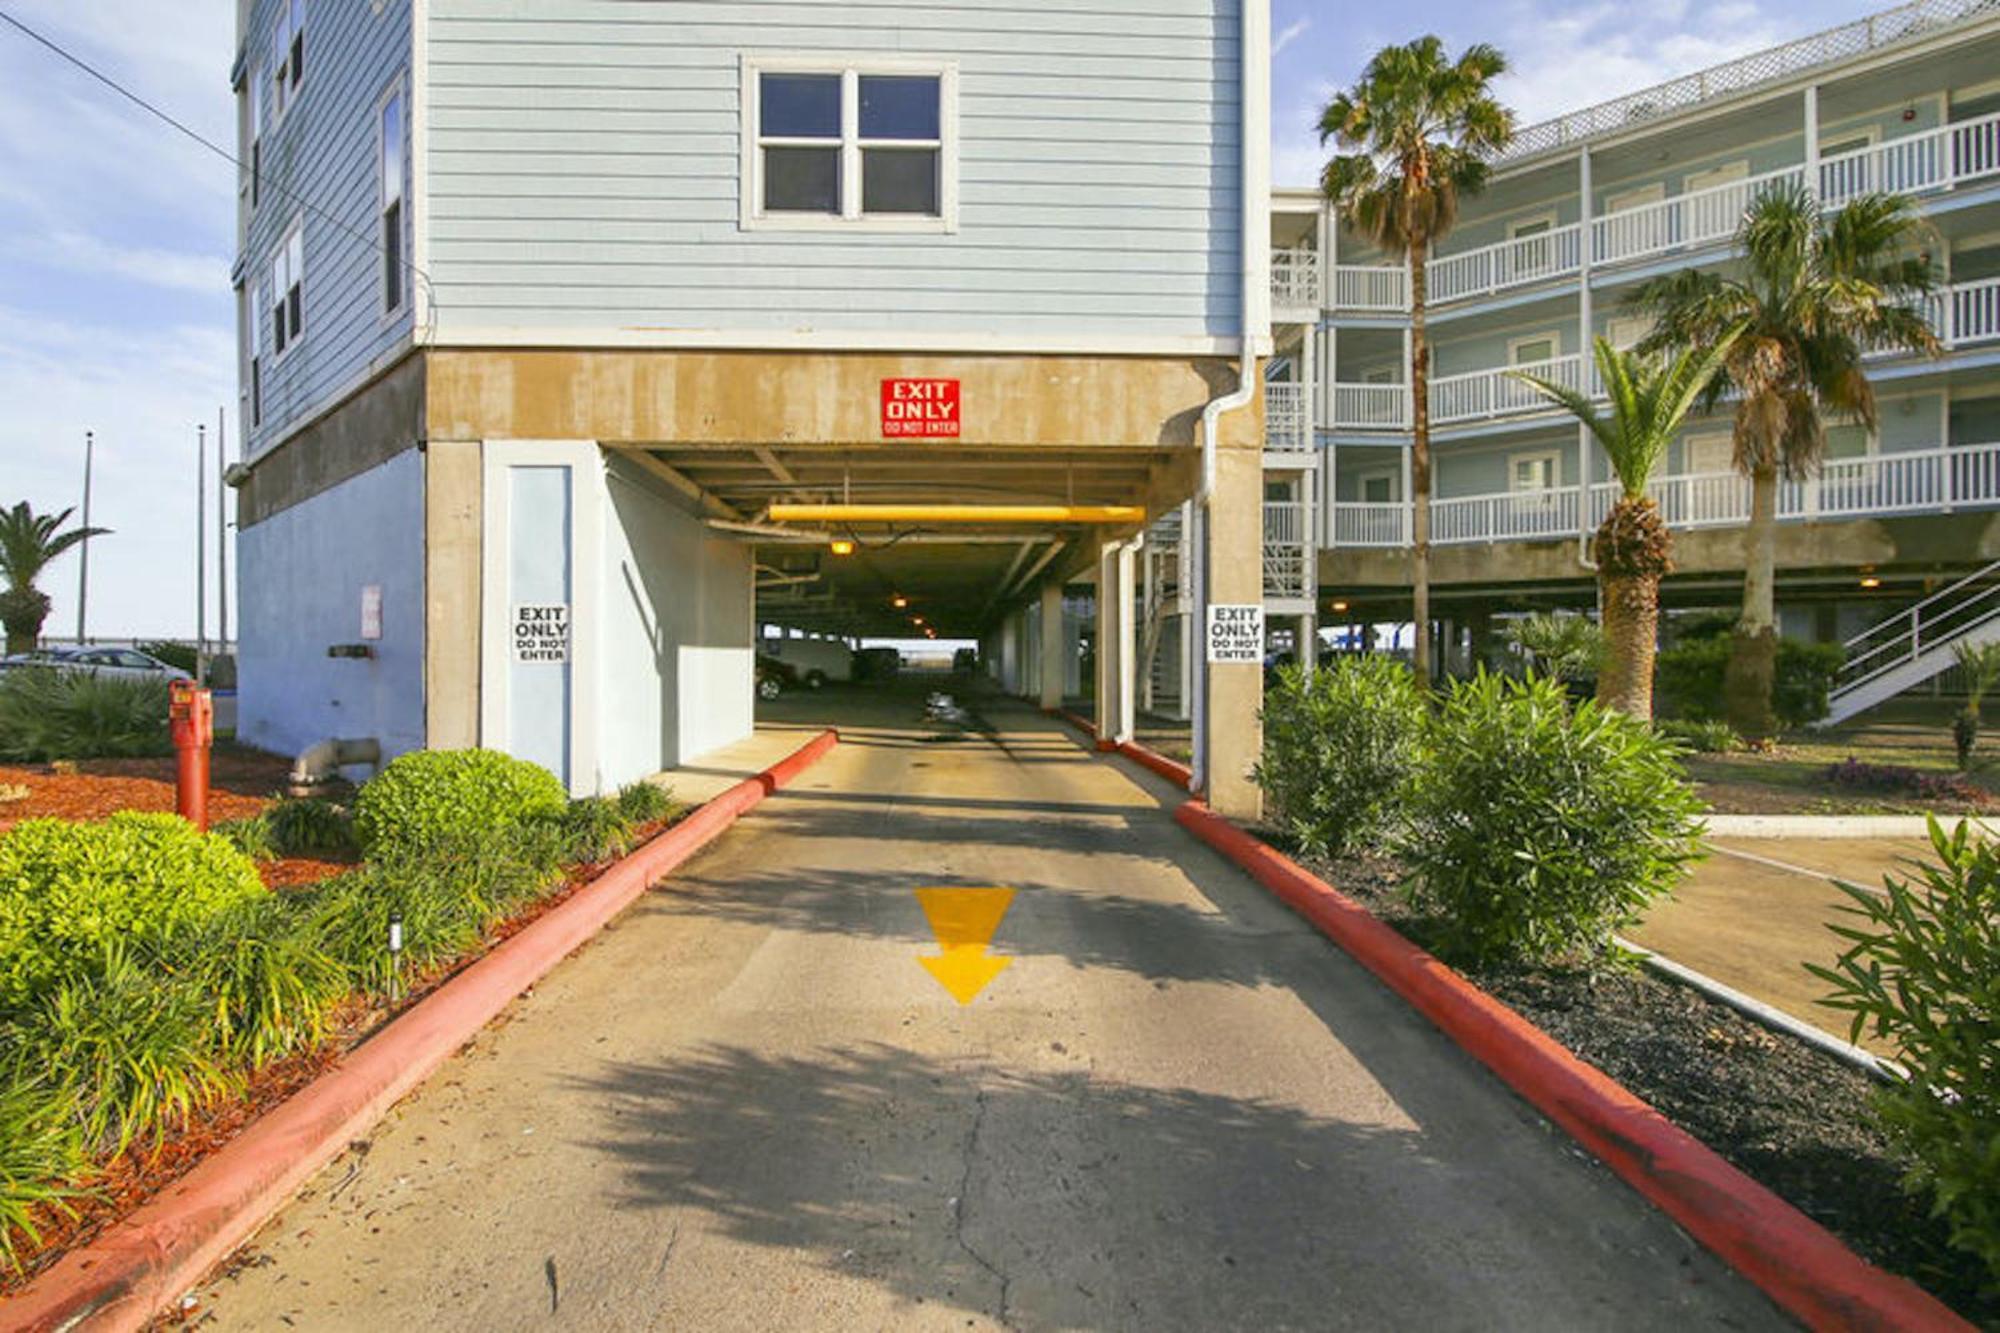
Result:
[
  {"x": 1684, "y": 222},
  {"x": 1371, "y": 287},
  {"x": 1914, "y": 482},
  {"x": 1967, "y": 313},
  {"x": 1371, "y": 406},
  {"x": 1289, "y": 549},
  {"x": 1368, "y": 523},
  {"x": 1287, "y": 416},
  {"x": 1494, "y": 393},
  {"x": 1295, "y": 280},
  {"x": 1914, "y": 164},
  {"x": 1918, "y": 18},
  {"x": 1515, "y": 263}
]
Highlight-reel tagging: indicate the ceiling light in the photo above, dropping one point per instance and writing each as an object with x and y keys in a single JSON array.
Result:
[
  {"x": 916, "y": 620},
  {"x": 1340, "y": 606},
  {"x": 899, "y": 601},
  {"x": 842, "y": 546},
  {"x": 1871, "y": 581}
]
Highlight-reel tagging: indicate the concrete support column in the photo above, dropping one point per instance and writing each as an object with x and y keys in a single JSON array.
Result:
[
  {"x": 454, "y": 485},
  {"x": 1128, "y": 642},
  {"x": 1053, "y": 647},
  {"x": 1309, "y": 641},
  {"x": 1110, "y": 635},
  {"x": 1235, "y": 572}
]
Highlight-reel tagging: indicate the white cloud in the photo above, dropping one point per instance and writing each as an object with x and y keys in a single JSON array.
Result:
[
  {"x": 1292, "y": 32},
  {"x": 152, "y": 265}
]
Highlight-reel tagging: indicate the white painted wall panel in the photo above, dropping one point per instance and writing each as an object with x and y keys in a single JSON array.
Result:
[
  {"x": 584, "y": 161},
  {"x": 302, "y": 571}
]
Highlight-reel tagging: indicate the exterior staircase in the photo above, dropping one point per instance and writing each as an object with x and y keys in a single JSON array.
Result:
[{"x": 1916, "y": 644}]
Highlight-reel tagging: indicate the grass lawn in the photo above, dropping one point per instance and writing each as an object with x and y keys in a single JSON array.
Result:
[{"x": 1790, "y": 777}]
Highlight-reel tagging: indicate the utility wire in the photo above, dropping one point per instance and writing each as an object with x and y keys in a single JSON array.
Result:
[{"x": 263, "y": 181}]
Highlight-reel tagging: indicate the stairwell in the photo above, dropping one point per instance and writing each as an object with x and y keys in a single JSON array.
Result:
[{"x": 1916, "y": 643}]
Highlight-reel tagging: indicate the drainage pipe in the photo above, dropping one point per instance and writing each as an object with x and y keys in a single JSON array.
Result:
[
  {"x": 320, "y": 763},
  {"x": 1253, "y": 208}
]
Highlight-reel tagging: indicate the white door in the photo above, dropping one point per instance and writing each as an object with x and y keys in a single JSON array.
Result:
[{"x": 1631, "y": 226}]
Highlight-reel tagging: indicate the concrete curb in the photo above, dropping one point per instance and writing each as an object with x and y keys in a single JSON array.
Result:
[
  {"x": 1798, "y": 1263},
  {"x": 1171, "y": 769},
  {"x": 1828, "y": 826},
  {"x": 142, "y": 1265}
]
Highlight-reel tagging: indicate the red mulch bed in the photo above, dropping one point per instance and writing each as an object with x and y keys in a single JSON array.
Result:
[
  {"x": 242, "y": 782},
  {"x": 136, "y": 1177}
]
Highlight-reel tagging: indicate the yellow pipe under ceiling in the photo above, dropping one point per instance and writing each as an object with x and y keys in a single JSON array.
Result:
[{"x": 944, "y": 513}]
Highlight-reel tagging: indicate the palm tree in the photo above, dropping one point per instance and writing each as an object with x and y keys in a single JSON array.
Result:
[
  {"x": 1415, "y": 135},
  {"x": 1649, "y": 399},
  {"x": 1812, "y": 296},
  {"x": 28, "y": 542},
  {"x": 1981, "y": 664}
]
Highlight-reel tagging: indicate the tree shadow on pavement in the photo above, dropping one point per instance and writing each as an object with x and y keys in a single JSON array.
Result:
[{"x": 1049, "y": 1197}]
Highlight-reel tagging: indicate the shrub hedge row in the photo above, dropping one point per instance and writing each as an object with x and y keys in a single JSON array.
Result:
[{"x": 145, "y": 970}]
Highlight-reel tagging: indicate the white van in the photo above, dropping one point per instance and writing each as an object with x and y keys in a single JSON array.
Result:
[{"x": 817, "y": 661}]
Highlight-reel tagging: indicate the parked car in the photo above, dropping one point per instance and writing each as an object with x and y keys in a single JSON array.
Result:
[
  {"x": 817, "y": 661},
  {"x": 877, "y": 664},
  {"x": 128, "y": 663},
  {"x": 774, "y": 677}
]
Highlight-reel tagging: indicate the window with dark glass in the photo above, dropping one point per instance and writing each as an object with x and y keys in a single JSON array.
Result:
[
  {"x": 799, "y": 119},
  {"x": 849, "y": 144},
  {"x": 389, "y": 191}
]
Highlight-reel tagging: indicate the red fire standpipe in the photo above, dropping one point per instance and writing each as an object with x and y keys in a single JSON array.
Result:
[{"x": 191, "y": 711}]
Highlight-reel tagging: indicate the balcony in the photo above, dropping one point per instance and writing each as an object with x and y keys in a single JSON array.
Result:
[
  {"x": 1880, "y": 485},
  {"x": 1288, "y": 426},
  {"x": 1964, "y": 315},
  {"x": 1915, "y": 164},
  {"x": 1295, "y": 281},
  {"x": 1371, "y": 289},
  {"x": 1288, "y": 549}
]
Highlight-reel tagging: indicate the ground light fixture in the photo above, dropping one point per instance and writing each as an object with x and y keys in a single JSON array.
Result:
[
  {"x": 842, "y": 546},
  {"x": 899, "y": 601}
]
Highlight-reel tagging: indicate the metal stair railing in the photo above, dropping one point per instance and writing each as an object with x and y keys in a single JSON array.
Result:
[{"x": 1937, "y": 620}]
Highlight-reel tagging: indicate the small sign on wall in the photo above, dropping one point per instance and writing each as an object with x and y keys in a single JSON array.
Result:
[
  {"x": 541, "y": 632},
  {"x": 920, "y": 408},
  {"x": 1236, "y": 632},
  {"x": 371, "y": 612}
]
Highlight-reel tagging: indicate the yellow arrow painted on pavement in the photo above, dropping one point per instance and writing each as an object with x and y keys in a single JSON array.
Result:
[{"x": 964, "y": 921}]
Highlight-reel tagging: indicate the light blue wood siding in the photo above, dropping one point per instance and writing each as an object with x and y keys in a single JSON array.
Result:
[
  {"x": 584, "y": 158},
  {"x": 319, "y": 168}
]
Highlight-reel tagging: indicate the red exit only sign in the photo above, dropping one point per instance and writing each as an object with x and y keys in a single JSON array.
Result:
[{"x": 920, "y": 407}]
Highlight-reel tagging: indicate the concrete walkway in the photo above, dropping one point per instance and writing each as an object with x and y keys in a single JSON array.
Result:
[{"x": 747, "y": 1106}]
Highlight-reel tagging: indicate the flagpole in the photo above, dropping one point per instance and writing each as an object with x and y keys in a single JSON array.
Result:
[{"x": 83, "y": 547}]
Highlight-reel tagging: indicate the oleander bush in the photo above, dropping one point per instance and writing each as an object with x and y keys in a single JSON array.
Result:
[
  {"x": 1688, "y": 677},
  {"x": 48, "y": 714},
  {"x": 68, "y": 889},
  {"x": 1922, "y": 972},
  {"x": 428, "y": 799},
  {"x": 1341, "y": 747},
  {"x": 1853, "y": 774},
  {"x": 1536, "y": 828}
]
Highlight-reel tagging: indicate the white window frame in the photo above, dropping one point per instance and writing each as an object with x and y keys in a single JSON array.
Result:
[
  {"x": 1552, "y": 337},
  {"x": 1618, "y": 330},
  {"x": 851, "y": 69},
  {"x": 1723, "y": 173},
  {"x": 287, "y": 33},
  {"x": 1546, "y": 221},
  {"x": 1694, "y": 438},
  {"x": 1638, "y": 196},
  {"x": 253, "y": 359},
  {"x": 1389, "y": 474},
  {"x": 1552, "y": 457},
  {"x": 382, "y": 200},
  {"x": 290, "y": 251},
  {"x": 1870, "y": 136}
]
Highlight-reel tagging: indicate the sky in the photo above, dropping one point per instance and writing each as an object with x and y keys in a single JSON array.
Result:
[{"x": 117, "y": 234}]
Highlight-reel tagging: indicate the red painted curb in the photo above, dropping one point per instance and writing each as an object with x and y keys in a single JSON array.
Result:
[
  {"x": 1173, "y": 770},
  {"x": 1797, "y": 1262},
  {"x": 142, "y": 1265},
  {"x": 1077, "y": 720}
]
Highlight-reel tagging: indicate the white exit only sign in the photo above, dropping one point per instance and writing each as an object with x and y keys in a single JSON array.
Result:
[{"x": 1236, "y": 632}]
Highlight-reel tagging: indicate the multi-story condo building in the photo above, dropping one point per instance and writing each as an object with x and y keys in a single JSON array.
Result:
[
  {"x": 1582, "y": 208},
  {"x": 580, "y": 338}
]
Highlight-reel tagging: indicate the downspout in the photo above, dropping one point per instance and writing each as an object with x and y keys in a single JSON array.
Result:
[{"x": 1254, "y": 58}]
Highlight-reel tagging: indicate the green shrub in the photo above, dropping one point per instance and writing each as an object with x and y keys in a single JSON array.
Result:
[
  {"x": 49, "y": 714},
  {"x": 1568, "y": 647},
  {"x": 67, "y": 889},
  {"x": 310, "y": 826},
  {"x": 250, "y": 835},
  {"x": 1709, "y": 736},
  {"x": 1340, "y": 747},
  {"x": 644, "y": 802},
  {"x": 432, "y": 798},
  {"x": 1922, "y": 971},
  {"x": 41, "y": 1155},
  {"x": 266, "y": 979},
  {"x": 130, "y": 1042},
  {"x": 1536, "y": 830},
  {"x": 595, "y": 828},
  {"x": 1689, "y": 675}
]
